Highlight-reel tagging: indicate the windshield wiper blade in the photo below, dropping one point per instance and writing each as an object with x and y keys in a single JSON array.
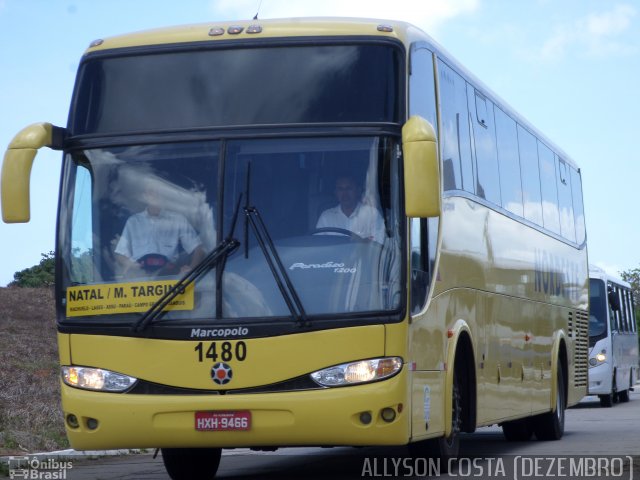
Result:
[
  {"x": 218, "y": 254},
  {"x": 279, "y": 272}
]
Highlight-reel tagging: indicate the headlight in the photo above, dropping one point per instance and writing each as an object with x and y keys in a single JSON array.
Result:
[
  {"x": 357, "y": 372},
  {"x": 598, "y": 358},
  {"x": 96, "y": 379}
]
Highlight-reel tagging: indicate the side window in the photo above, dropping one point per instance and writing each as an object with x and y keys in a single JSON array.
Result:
[
  {"x": 578, "y": 208},
  {"x": 623, "y": 310},
  {"x": 422, "y": 90},
  {"x": 634, "y": 325},
  {"x": 488, "y": 177},
  {"x": 627, "y": 311},
  {"x": 614, "y": 315},
  {"x": 530, "y": 171},
  {"x": 82, "y": 248},
  {"x": 419, "y": 264},
  {"x": 456, "y": 142},
  {"x": 509, "y": 161},
  {"x": 565, "y": 201},
  {"x": 424, "y": 239},
  {"x": 549, "y": 188}
]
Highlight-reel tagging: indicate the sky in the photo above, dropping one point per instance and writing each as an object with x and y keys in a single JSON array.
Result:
[{"x": 570, "y": 67}]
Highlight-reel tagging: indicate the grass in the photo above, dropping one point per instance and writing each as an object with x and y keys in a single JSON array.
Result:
[{"x": 30, "y": 414}]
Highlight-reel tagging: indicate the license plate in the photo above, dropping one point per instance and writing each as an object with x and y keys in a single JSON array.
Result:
[{"x": 223, "y": 421}]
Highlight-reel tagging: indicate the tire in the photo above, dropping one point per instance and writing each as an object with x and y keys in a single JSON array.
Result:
[
  {"x": 623, "y": 396},
  {"x": 609, "y": 399},
  {"x": 606, "y": 401},
  {"x": 191, "y": 463},
  {"x": 550, "y": 426},
  {"x": 517, "y": 430}
]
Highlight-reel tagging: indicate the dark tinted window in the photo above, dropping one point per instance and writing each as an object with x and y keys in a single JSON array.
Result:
[
  {"x": 597, "y": 308},
  {"x": 530, "y": 171},
  {"x": 422, "y": 90},
  {"x": 509, "y": 159},
  {"x": 565, "y": 201},
  {"x": 549, "y": 187},
  {"x": 456, "y": 143},
  {"x": 626, "y": 310},
  {"x": 488, "y": 186},
  {"x": 419, "y": 264},
  {"x": 614, "y": 312},
  {"x": 578, "y": 209},
  {"x": 293, "y": 84}
]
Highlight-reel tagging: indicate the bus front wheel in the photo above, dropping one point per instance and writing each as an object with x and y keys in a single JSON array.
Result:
[
  {"x": 444, "y": 449},
  {"x": 610, "y": 398},
  {"x": 191, "y": 463},
  {"x": 606, "y": 400}
]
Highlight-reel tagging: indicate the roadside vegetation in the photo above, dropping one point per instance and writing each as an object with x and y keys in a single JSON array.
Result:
[{"x": 30, "y": 415}]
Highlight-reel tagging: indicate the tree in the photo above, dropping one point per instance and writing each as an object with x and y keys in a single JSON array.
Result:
[
  {"x": 41, "y": 275},
  {"x": 633, "y": 277}
]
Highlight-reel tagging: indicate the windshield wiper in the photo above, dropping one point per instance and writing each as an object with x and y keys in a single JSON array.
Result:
[
  {"x": 265, "y": 241},
  {"x": 219, "y": 254},
  {"x": 279, "y": 272}
]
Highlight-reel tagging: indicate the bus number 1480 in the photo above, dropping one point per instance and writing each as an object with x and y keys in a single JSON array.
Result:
[{"x": 225, "y": 351}]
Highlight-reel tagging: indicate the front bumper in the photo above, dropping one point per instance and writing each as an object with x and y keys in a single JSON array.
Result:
[{"x": 304, "y": 418}]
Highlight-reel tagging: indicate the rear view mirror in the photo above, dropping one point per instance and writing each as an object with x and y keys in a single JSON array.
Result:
[
  {"x": 421, "y": 169},
  {"x": 16, "y": 168}
]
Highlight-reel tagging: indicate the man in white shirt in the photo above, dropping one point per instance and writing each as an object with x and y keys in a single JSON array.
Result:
[
  {"x": 153, "y": 235},
  {"x": 351, "y": 214}
]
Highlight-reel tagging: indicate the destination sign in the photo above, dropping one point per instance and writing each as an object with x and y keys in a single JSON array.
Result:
[{"x": 110, "y": 298}]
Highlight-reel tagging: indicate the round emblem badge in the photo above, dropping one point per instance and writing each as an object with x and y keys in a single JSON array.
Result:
[{"x": 221, "y": 373}]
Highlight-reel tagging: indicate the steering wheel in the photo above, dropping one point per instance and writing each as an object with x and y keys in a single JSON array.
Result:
[
  {"x": 341, "y": 231},
  {"x": 156, "y": 263}
]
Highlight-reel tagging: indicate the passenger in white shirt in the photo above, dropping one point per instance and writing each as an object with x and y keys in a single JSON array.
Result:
[
  {"x": 159, "y": 233},
  {"x": 351, "y": 214}
]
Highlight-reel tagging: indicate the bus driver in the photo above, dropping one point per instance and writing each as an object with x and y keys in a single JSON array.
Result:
[
  {"x": 152, "y": 238},
  {"x": 351, "y": 214}
]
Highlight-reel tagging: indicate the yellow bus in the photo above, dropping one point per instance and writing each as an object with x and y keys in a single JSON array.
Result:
[{"x": 306, "y": 232}]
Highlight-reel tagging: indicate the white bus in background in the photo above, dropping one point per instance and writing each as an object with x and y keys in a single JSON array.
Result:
[{"x": 613, "y": 338}]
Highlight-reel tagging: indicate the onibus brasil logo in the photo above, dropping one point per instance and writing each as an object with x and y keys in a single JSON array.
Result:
[{"x": 33, "y": 467}]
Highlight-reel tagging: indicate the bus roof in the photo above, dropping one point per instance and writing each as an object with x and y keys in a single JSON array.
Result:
[
  {"x": 272, "y": 28},
  {"x": 599, "y": 273},
  {"x": 310, "y": 27}
]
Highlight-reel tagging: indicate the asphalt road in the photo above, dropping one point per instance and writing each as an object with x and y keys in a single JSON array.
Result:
[{"x": 590, "y": 431}]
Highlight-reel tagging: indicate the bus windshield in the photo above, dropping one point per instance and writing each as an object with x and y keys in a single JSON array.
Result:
[
  {"x": 141, "y": 216},
  {"x": 597, "y": 308}
]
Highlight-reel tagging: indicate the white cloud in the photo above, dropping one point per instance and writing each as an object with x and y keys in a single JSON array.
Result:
[
  {"x": 610, "y": 23},
  {"x": 611, "y": 269},
  {"x": 427, "y": 14},
  {"x": 595, "y": 34}
]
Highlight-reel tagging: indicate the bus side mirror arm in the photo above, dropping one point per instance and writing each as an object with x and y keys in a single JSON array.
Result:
[
  {"x": 16, "y": 168},
  {"x": 421, "y": 169}
]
